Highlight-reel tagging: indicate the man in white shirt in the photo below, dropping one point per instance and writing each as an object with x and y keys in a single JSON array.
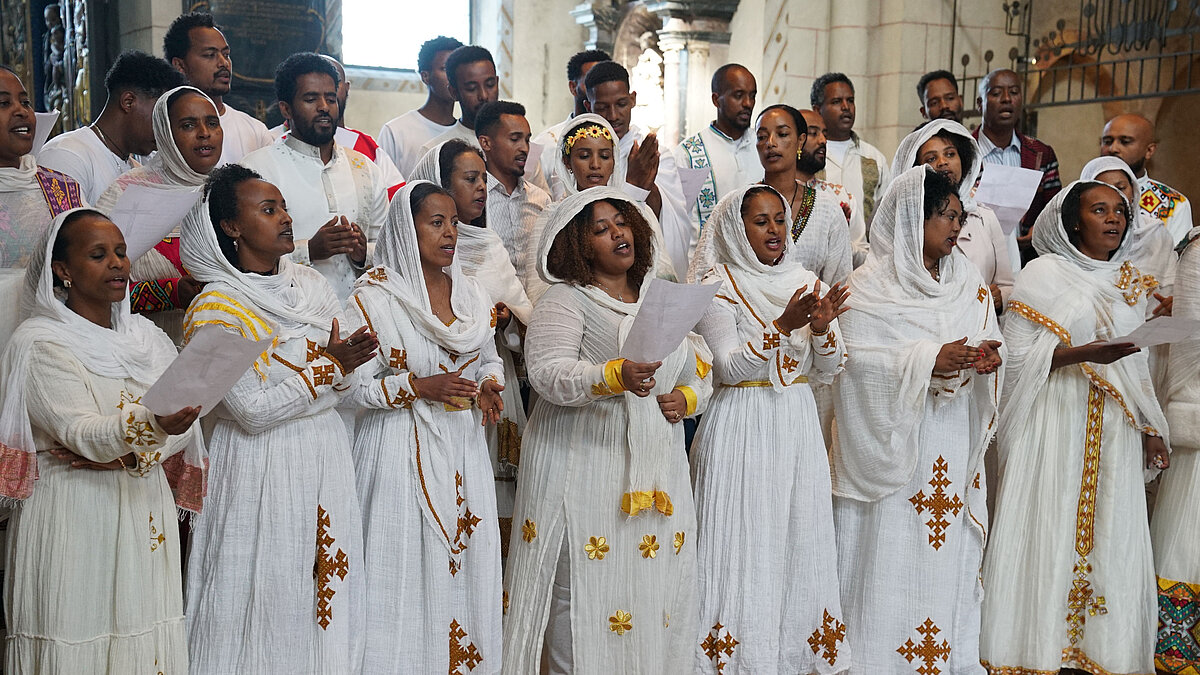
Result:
[
  {"x": 402, "y": 137},
  {"x": 849, "y": 161},
  {"x": 1131, "y": 137},
  {"x": 473, "y": 82},
  {"x": 513, "y": 203},
  {"x": 812, "y": 163},
  {"x": 577, "y": 69},
  {"x": 198, "y": 49},
  {"x": 726, "y": 147},
  {"x": 95, "y": 155},
  {"x": 608, "y": 95},
  {"x": 337, "y": 197}
]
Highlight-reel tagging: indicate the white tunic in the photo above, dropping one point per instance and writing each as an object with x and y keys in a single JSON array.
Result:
[
  {"x": 847, "y": 171},
  {"x": 349, "y": 185},
  {"x": 1167, "y": 204},
  {"x": 403, "y": 137},
  {"x": 823, "y": 240},
  {"x": 732, "y": 163},
  {"x": 673, "y": 219},
  {"x": 83, "y": 156},
  {"x": 243, "y": 135}
]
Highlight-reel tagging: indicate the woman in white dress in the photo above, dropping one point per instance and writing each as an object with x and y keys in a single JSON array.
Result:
[
  {"x": 767, "y": 560},
  {"x": 459, "y": 169},
  {"x": 424, "y": 477},
  {"x": 1175, "y": 530},
  {"x": 93, "y": 559},
  {"x": 188, "y": 135},
  {"x": 604, "y": 530},
  {"x": 275, "y": 570},
  {"x": 950, "y": 149},
  {"x": 1069, "y": 572},
  {"x": 916, "y": 407}
]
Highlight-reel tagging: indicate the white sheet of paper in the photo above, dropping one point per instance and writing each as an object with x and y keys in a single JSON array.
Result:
[
  {"x": 146, "y": 214},
  {"x": 534, "y": 158},
  {"x": 1161, "y": 331},
  {"x": 204, "y": 371},
  {"x": 345, "y": 138},
  {"x": 693, "y": 181},
  {"x": 45, "y": 122},
  {"x": 668, "y": 312},
  {"x": 1009, "y": 190}
]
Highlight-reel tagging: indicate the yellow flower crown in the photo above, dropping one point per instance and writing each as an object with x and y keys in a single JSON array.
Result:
[{"x": 590, "y": 130}]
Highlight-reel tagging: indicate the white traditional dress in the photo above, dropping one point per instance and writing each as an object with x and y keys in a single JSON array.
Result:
[
  {"x": 908, "y": 484},
  {"x": 732, "y": 163},
  {"x": 275, "y": 572},
  {"x": 862, "y": 170},
  {"x": 92, "y": 566},
  {"x": 1069, "y": 573},
  {"x": 155, "y": 276},
  {"x": 767, "y": 559},
  {"x": 820, "y": 236},
  {"x": 1175, "y": 529},
  {"x": 482, "y": 255},
  {"x": 604, "y": 500},
  {"x": 424, "y": 478}
]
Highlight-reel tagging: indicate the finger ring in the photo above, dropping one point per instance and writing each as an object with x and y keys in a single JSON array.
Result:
[{"x": 350, "y": 342}]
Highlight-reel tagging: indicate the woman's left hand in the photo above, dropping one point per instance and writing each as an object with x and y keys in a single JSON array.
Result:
[
  {"x": 1157, "y": 455},
  {"x": 828, "y": 307},
  {"x": 78, "y": 462},
  {"x": 489, "y": 401},
  {"x": 1165, "y": 305},
  {"x": 991, "y": 357},
  {"x": 673, "y": 405}
]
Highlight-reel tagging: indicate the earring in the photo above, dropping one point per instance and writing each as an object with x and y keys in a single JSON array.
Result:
[
  {"x": 66, "y": 283},
  {"x": 799, "y": 154}
]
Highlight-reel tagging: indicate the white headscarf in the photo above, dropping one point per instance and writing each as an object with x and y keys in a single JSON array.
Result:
[
  {"x": 22, "y": 178},
  {"x": 169, "y": 159},
  {"x": 133, "y": 348},
  {"x": 480, "y": 249},
  {"x": 561, "y": 179},
  {"x": 292, "y": 299},
  {"x": 906, "y": 158},
  {"x": 899, "y": 319},
  {"x": 1150, "y": 247},
  {"x": 724, "y": 253}
]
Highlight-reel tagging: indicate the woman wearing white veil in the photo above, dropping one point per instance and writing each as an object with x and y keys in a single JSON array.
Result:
[
  {"x": 1175, "y": 530},
  {"x": 1069, "y": 571},
  {"x": 916, "y": 407},
  {"x": 424, "y": 477},
  {"x": 603, "y": 545},
  {"x": 188, "y": 135},
  {"x": 950, "y": 149},
  {"x": 275, "y": 573},
  {"x": 93, "y": 559},
  {"x": 767, "y": 558}
]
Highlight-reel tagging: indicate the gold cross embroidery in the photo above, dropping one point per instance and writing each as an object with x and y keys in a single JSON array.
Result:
[
  {"x": 938, "y": 503},
  {"x": 315, "y": 351},
  {"x": 326, "y": 567},
  {"x": 717, "y": 648},
  {"x": 398, "y": 359},
  {"x": 462, "y": 654},
  {"x": 322, "y": 375},
  {"x": 826, "y": 637},
  {"x": 981, "y": 296},
  {"x": 927, "y": 650},
  {"x": 770, "y": 340},
  {"x": 377, "y": 274}
]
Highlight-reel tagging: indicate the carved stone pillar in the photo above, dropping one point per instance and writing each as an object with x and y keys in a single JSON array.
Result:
[
  {"x": 600, "y": 19},
  {"x": 690, "y": 28},
  {"x": 675, "y": 81}
]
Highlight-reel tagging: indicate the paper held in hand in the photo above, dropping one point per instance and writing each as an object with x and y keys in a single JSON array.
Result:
[
  {"x": 146, "y": 214},
  {"x": 204, "y": 371},
  {"x": 45, "y": 123},
  {"x": 1161, "y": 331},
  {"x": 1008, "y": 190},
  {"x": 668, "y": 312}
]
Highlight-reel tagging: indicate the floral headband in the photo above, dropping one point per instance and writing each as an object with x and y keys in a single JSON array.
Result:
[{"x": 590, "y": 130}]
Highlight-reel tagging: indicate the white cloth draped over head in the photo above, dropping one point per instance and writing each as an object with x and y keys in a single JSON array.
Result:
[
  {"x": 398, "y": 257},
  {"x": 724, "y": 254},
  {"x": 24, "y": 177},
  {"x": 480, "y": 249},
  {"x": 906, "y": 157},
  {"x": 648, "y": 432},
  {"x": 1152, "y": 248},
  {"x": 133, "y": 348},
  {"x": 1069, "y": 300},
  {"x": 279, "y": 298},
  {"x": 899, "y": 319},
  {"x": 561, "y": 179}
]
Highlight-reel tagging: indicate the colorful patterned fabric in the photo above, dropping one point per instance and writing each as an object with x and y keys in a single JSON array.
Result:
[
  {"x": 803, "y": 211},
  {"x": 60, "y": 190},
  {"x": 1160, "y": 200},
  {"x": 698, "y": 159},
  {"x": 1178, "y": 649}
]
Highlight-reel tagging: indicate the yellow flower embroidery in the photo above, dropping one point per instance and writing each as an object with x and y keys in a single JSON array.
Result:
[
  {"x": 649, "y": 546},
  {"x": 138, "y": 433},
  {"x": 621, "y": 622},
  {"x": 157, "y": 538},
  {"x": 528, "y": 530},
  {"x": 678, "y": 542},
  {"x": 596, "y": 548}
]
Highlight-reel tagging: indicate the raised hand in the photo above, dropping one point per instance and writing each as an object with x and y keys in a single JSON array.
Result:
[
  {"x": 489, "y": 402},
  {"x": 798, "y": 312},
  {"x": 829, "y": 307},
  {"x": 991, "y": 357},
  {"x": 354, "y": 350},
  {"x": 643, "y": 163}
]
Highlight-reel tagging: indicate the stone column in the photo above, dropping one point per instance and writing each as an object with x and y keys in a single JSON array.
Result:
[
  {"x": 690, "y": 29},
  {"x": 675, "y": 86},
  {"x": 600, "y": 19}
]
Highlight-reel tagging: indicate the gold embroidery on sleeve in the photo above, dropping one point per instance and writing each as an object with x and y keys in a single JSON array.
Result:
[
  {"x": 826, "y": 637},
  {"x": 398, "y": 359},
  {"x": 322, "y": 375},
  {"x": 139, "y": 433}
]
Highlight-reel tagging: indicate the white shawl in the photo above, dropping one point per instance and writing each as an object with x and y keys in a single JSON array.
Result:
[
  {"x": 22, "y": 178},
  {"x": 906, "y": 157},
  {"x": 134, "y": 348},
  {"x": 899, "y": 319}
]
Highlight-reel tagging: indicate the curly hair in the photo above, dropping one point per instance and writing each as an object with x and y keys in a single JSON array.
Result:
[
  {"x": 938, "y": 191},
  {"x": 140, "y": 72},
  {"x": 220, "y": 191},
  {"x": 571, "y": 255},
  {"x": 178, "y": 40},
  {"x": 431, "y": 48},
  {"x": 301, "y": 63},
  {"x": 816, "y": 97}
]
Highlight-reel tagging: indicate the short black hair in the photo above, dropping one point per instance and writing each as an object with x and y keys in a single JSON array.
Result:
[
  {"x": 938, "y": 191},
  {"x": 58, "y": 252},
  {"x": 817, "y": 96},
  {"x": 431, "y": 48},
  {"x": 4, "y": 67},
  {"x": 421, "y": 192},
  {"x": 300, "y": 63},
  {"x": 930, "y": 77},
  {"x": 488, "y": 117},
  {"x": 461, "y": 57},
  {"x": 147, "y": 75},
  {"x": 759, "y": 190},
  {"x": 450, "y": 151},
  {"x": 178, "y": 41},
  {"x": 575, "y": 63},
  {"x": 718, "y": 78},
  {"x": 605, "y": 71},
  {"x": 220, "y": 190}
]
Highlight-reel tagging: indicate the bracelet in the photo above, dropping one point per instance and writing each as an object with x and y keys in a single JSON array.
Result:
[{"x": 818, "y": 332}]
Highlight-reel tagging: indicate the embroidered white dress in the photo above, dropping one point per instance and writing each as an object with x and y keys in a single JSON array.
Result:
[
  {"x": 275, "y": 574},
  {"x": 1069, "y": 572}
]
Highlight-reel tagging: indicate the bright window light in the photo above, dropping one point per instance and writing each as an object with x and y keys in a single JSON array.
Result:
[{"x": 388, "y": 34}]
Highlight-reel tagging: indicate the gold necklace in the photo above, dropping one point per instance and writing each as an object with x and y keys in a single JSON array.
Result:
[{"x": 606, "y": 289}]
